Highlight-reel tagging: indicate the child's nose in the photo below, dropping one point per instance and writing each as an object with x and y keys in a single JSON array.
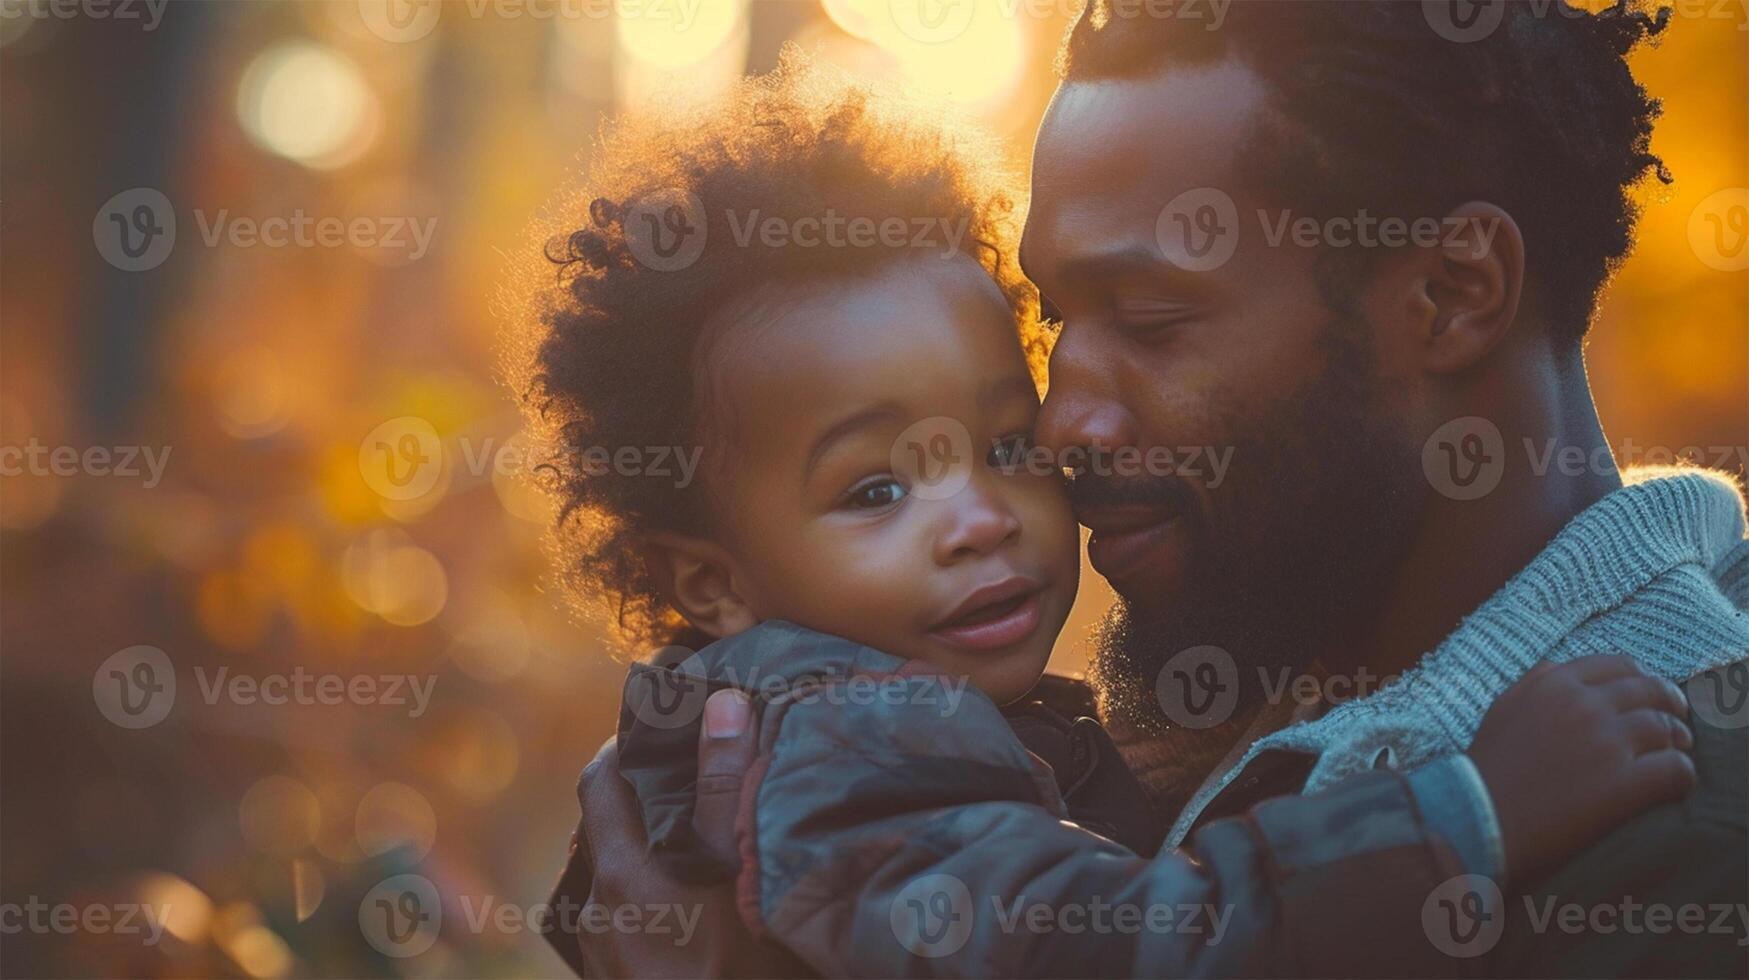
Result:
[{"x": 978, "y": 522}]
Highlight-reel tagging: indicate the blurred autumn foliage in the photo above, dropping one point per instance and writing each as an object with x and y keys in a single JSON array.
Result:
[{"x": 398, "y": 162}]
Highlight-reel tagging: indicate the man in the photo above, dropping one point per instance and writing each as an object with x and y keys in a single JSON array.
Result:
[{"x": 1363, "y": 254}]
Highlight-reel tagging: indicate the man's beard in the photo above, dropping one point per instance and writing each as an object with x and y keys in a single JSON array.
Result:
[{"x": 1294, "y": 549}]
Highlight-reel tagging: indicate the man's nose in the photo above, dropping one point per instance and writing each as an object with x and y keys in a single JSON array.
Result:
[
  {"x": 978, "y": 522},
  {"x": 1083, "y": 407}
]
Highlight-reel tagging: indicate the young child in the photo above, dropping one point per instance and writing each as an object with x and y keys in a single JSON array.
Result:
[{"x": 818, "y": 289}]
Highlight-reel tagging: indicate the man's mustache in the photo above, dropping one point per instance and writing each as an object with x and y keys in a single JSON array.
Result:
[{"x": 1087, "y": 490}]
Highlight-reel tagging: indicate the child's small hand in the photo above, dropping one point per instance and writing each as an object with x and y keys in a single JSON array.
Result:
[{"x": 1571, "y": 751}]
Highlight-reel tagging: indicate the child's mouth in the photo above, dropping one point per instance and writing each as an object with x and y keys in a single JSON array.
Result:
[{"x": 997, "y": 617}]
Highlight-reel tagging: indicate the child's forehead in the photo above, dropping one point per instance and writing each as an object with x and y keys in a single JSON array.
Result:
[{"x": 929, "y": 336}]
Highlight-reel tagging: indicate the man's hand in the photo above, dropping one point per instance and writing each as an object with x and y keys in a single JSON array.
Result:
[
  {"x": 726, "y": 746},
  {"x": 719, "y": 945}
]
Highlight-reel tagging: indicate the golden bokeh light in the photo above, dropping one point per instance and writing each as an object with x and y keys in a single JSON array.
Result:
[
  {"x": 493, "y": 643},
  {"x": 279, "y": 815},
  {"x": 277, "y": 539},
  {"x": 475, "y": 751},
  {"x": 257, "y": 950},
  {"x": 309, "y": 886},
  {"x": 249, "y": 392},
  {"x": 187, "y": 911},
  {"x": 308, "y": 103},
  {"x": 385, "y": 573},
  {"x": 668, "y": 51},
  {"x": 394, "y": 815},
  {"x": 969, "y": 53}
]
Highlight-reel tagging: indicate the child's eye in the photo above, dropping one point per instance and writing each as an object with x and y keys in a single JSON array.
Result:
[
  {"x": 1009, "y": 454},
  {"x": 876, "y": 493}
]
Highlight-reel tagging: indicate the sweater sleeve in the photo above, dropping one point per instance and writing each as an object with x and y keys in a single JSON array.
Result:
[{"x": 893, "y": 837}]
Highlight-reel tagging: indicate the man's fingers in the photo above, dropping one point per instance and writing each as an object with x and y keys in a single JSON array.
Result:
[
  {"x": 607, "y": 798},
  {"x": 726, "y": 745},
  {"x": 614, "y": 843}
]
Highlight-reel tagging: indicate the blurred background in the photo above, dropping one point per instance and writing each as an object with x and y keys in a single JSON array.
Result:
[{"x": 260, "y": 654}]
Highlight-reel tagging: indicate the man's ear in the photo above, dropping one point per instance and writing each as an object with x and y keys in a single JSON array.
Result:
[
  {"x": 699, "y": 578},
  {"x": 1467, "y": 287}
]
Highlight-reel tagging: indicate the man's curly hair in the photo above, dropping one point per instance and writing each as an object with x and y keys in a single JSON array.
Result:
[
  {"x": 1377, "y": 110},
  {"x": 612, "y": 352}
]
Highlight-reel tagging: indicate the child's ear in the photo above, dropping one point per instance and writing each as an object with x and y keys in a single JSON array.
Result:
[{"x": 698, "y": 578}]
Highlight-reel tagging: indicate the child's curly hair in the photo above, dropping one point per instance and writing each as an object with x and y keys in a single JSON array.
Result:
[{"x": 609, "y": 355}]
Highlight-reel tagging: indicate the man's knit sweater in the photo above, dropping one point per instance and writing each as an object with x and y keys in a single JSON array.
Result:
[{"x": 1657, "y": 570}]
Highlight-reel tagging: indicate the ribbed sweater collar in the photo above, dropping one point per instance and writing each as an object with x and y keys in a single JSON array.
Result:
[{"x": 1660, "y": 521}]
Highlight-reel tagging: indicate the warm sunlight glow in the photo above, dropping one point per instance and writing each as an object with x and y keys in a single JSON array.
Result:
[
  {"x": 970, "y": 53},
  {"x": 307, "y": 102},
  {"x": 693, "y": 50}
]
